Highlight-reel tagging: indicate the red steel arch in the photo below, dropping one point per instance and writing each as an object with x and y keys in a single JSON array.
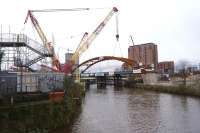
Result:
[{"x": 96, "y": 60}]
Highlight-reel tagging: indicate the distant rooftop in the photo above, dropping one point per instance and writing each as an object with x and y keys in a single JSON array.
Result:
[{"x": 143, "y": 44}]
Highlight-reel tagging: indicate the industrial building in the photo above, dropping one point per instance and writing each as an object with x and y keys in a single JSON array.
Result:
[
  {"x": 166, "y": 67},
  {"x": 145, "y": 55},
  {"x": 68, "y": 57}
]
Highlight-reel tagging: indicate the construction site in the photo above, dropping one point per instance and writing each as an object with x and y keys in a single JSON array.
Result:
[{"x": 20, "y": 56}]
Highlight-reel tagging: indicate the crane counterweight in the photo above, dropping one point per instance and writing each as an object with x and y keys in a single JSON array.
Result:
[{"x": 115, "y": 9}]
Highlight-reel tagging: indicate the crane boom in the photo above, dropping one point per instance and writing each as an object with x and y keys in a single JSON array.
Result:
[
  {"x": 85, "y": 41},
  {"x": 78, "y": 49},
  {"x": 60, "y": 10},
  {"x": 132, "y": 39},
  {"x": 50, "y": 48},
  {"x": 94, "y": 34},
  {"x": 67, "y": 68},
  {"x": 38, "y": 29}
]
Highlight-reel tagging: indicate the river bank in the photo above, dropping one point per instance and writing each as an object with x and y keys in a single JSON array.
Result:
[
  {"x": 42, "y": 116},
  {"x": 180, "y": 90},
  {"x": 187, "y": 90}
]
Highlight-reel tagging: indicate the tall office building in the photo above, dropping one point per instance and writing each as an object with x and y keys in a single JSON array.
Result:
[{"x": 144, "y": 54}]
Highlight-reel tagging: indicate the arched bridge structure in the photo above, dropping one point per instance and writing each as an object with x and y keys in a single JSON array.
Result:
[{"x": 96, "y": 60}]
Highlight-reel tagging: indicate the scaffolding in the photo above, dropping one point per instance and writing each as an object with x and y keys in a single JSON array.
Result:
[{"x": 18, "y": 51}]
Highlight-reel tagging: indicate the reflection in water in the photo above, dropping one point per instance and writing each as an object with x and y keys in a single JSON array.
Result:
[
  {"x": 142, "y": 109},
  {"x": 114, "y": 110},
  {"x": 179, "y": 114}
]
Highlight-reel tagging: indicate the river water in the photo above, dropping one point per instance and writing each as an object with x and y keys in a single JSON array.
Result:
[{"x": 123, "y": 110}]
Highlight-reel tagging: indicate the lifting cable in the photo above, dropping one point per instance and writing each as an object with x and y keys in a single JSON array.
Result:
[
  {"x": 72, "y": 9},
  {"x": 117, "y": 37},
  {"x": 114, "y": 50}
]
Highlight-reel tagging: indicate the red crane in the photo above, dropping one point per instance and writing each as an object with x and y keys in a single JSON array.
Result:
[
  {"x": 55, "y": 61},
  {"x": 83, "y": 45}
]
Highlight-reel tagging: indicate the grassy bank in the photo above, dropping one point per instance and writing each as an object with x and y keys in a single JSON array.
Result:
[
  {"x": 181, "y": 89},
  {"x": 42, "y": 116}
]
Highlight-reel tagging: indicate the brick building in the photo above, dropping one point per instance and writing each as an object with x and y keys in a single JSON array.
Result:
[
  {"x": 166, "y": 67},
  {"x": 145, "y": 54}
]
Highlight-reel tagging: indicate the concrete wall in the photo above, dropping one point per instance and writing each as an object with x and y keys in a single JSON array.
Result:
[
  {"x": 8, "y": 83},
  {"x": 27, "y": 82},
  {"x": 12, "y": 82},
  {"x": 150, "y": 78},
  {"x": 50, "y": 81},
  {"x": 44, "y": 82}
]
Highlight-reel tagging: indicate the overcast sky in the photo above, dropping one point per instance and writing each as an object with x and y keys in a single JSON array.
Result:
[{"x": 171, "y": 24}]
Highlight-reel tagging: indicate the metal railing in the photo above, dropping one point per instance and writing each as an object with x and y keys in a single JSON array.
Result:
[
  {"x": 22, "y": 38},
  {"x": 12, "y": 37}
]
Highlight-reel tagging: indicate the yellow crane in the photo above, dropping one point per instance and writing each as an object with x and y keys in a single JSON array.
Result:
[
  {"x": 55, "y": 61},
  {"x": 84, "y": 43}
]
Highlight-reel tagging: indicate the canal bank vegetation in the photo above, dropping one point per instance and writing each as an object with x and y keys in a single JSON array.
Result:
[
  {"x": 42, "y": 116},
  {"x": 180, "y": 89}
]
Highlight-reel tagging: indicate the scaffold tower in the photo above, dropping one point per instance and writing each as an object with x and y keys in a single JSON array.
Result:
[{"x": 19, "y": 51}]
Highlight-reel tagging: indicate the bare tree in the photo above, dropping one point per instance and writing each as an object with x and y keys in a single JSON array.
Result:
[
  {"x": 182, "y": 67},
  {"x": 1, "y": 56}
]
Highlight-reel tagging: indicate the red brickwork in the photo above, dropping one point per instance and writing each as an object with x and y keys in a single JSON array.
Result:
[{"x": 147, "y": 54}]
